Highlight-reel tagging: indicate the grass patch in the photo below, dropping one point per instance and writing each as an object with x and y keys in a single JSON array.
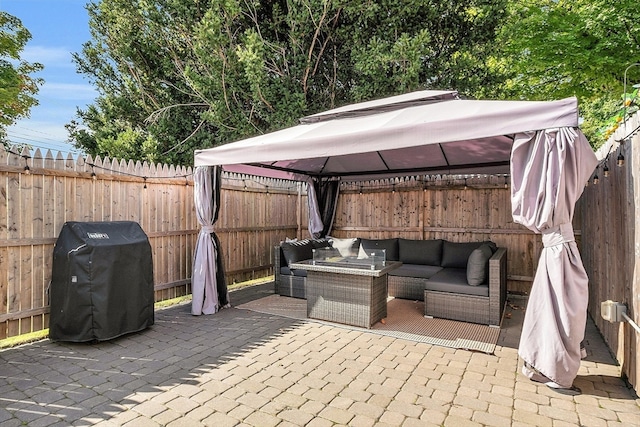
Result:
[
  {"x": 259, "y": 281},
  {"x": 173, "y": 301},
  {"x": 24, "y": 338}
]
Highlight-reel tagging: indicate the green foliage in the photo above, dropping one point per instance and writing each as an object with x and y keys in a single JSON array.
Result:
[
  {"x": 410, "y": 45},
  {"x": 624, "y": 109},
  {"x": 551, "y": 49},
  {"x": 17, "y": 87},
  {"x": 175, "y": 76}
]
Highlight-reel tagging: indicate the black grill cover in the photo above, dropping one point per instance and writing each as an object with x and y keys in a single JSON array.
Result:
[{"x": 102, "y": 281}]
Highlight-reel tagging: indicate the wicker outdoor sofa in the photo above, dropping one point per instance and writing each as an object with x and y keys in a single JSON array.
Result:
[{"x": 463, "y": 281}]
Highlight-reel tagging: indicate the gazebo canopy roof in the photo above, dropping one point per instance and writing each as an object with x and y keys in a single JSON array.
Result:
[{"x": 432, "y": 132}]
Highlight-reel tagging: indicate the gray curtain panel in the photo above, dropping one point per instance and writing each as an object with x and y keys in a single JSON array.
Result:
[
  {"x": 549, "y": 170},
  {"x": 322, "y": 195},
  {"x": 208, "y": 284}
]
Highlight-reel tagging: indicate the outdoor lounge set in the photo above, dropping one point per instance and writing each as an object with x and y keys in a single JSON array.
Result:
[{"x": 459, "y": 281}]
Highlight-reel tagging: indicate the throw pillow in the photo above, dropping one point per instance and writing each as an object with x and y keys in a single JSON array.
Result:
[
  {"x": 346, "y": 247},
  {"x": 478, "y": 265}
]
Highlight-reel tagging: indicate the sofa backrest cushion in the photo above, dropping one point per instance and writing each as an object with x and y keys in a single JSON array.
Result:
[
  {"x": 478, "y": 265},
  {"x": 298, "y": 250},
  {"x": 422, "y": 252},
  {"x": 346, "y": 247},
  {"x": 456, "y": 254},
  {"x": 320, "y": 243},
  {"x": 390, "y": 245}
]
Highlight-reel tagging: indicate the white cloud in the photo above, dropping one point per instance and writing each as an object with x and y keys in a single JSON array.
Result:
[
  {"x": 48, "y": 56},
  {"x": 68, "y": 91}
]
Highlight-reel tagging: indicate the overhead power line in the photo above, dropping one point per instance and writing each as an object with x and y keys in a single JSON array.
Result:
[{"x": 46, "y": 135}]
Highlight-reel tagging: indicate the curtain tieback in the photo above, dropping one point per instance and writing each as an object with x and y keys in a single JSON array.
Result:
[
  {"x": 558, "y": 235},
  {"x": 207, "y": 229}
]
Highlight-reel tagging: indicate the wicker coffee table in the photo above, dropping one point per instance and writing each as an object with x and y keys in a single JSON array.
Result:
[{"x": 350, "y": 295}]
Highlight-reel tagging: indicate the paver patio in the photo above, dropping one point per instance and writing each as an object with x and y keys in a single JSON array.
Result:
[{"x": 244, "y": 368}]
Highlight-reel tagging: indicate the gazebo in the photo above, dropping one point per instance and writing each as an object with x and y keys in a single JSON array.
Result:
[{"x": 433, "y": 132}]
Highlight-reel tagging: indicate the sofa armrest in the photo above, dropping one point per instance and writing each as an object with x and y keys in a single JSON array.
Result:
[{"x": 497, "y": 285}]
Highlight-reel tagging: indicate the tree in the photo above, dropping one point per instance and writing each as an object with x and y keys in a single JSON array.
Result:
[
  {"x": 17, "y": 87},
  {"x": 560, "y": 48},
  {"x": 399, "y": 46},
  {"x": 187, "y": 75}
]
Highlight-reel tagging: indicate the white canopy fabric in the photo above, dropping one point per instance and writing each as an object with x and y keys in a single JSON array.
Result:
[{"x": 422, "y": 132}]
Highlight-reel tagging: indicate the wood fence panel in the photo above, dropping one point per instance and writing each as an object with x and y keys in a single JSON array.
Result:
[
  {"x": 4, "y": 236},
  {"x": 37, "y": 264},
  {"x": 255, "y": 214},
  {"x": 24, "y": 272},
  {"x": 173, "y": 200},
  {"x": 610, "y": 221},
  {"x": 13, "y": 256}
]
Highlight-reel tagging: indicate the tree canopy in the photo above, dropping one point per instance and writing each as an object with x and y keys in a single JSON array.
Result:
[
  {"x": 553, "y": 49},
  {"x": 17, "y": 87},
  {"x": 175, "y": 76}
]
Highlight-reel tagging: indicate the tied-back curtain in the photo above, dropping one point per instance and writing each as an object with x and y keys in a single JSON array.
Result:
[
  {"x": 208, "y": 284},
  {"x": 549, "y": 170},
  {"x": 322, "y": 196}
]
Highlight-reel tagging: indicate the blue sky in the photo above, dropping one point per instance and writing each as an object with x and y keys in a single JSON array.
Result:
[{"x": 58, "y": 28}]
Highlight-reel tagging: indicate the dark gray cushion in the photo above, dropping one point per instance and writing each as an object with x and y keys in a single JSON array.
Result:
[
  {"x": 456, "y": 254},
  {"x": 320, "y": 243},
  {"x": 454, "y": 280},
  {"x": 478, "y": 265},
  {"x": 390, "y": 246},
  {"x": 424, "y": 252},
  {"x": 299, "y": 272},
  {"x": 297, "y": 251},
  {"x": 415, "y": 270},
  {"x": 286, "y": 271}
]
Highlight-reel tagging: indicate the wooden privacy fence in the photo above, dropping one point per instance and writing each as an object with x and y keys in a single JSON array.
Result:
[
  {"x": 255, "y": 214},
  {"x": 40, "y": 192},
  {"x": 611, "y": 235}
]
